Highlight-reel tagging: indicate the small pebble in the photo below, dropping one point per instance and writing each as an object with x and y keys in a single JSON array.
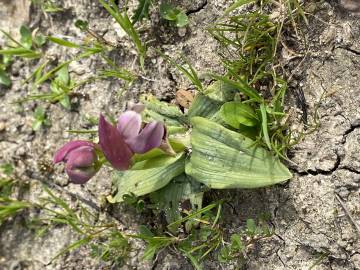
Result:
[
  {"x": 2, "y": 126},
  {"x": 182, "y": 32}
]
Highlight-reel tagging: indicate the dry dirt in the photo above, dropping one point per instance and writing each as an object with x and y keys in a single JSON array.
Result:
[{"x": 316, "y": 215}]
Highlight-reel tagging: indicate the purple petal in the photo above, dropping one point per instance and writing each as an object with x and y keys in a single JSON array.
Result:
[
  {"x": 129, "y": 124},
  {"x": 150, "y": 137},
  {"x": 80, "y": 165},
  {"x": 62, "y": 153},
  {"x": 113, "y": 145}
]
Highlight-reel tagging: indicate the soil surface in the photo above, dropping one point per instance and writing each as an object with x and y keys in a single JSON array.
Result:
[{"x": 316, "y": 215}]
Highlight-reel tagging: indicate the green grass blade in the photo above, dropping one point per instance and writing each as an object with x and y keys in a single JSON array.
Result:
[{"x": 264, "y": 125}]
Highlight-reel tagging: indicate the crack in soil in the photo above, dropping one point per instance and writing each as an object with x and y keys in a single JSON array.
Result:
[
  {"x": 320, "y": 171},
  {"x": 349, "y": 50},
  {"x": 338, "y": 159},
  {"x": 201, "y": 7}
]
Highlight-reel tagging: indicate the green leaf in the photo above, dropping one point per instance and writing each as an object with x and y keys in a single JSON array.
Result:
[
  {"x": 36, "y": 125},
  {"x": 82, "y": 25},
  {"x": 162, "y": 111},
  {"x": 63, "y": 75},
  {"x": 26, "y": 39},
  {"x": 63, "y": 42},
  {"x": 179, "y": 190},
  {"x": 250, "y": 226},
  {"x": 142, "y": 11},
  {"x": 236, "y": 113},
  {"x": 4, "y": 78},
  {"x": 39, "y": 40},
  {"x": 182, "y": 19},
  {"x": 65, "y": 102},
  {"x": 222, "y": 158},
  {"x": 168, "y": 12},
  {"x": 221, "y": 91},
  {"x": 203, "y": 106},
  {"x": 242, "y": 86},
  {"x": 264, "y": 125},
  {"x": 147, "y": 178},
  {"x": 144, "y": 231},
  {"x": 236, "y": 5},
  {"x": 23, "y": 52}
]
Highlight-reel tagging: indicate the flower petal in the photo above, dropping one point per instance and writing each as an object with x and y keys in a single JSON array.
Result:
[
  {"x": 61, "y": 154},
  {"x": 113, "y": 145},
  {"x": 80, "y": 165},
  {"x": 129, "y": 124},
  {"x": 150, "y": 137}
]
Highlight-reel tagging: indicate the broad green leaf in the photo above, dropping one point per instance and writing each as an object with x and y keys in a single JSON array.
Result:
[
  {"x": 203, "y": 106},
  {"x": 25, "y": 39},
  {"x": 181, "y": 189},
  {"x": 235, "y": 113},
  {"x": 162, "y": 111},
  {"x": 4, "y": 78},
  {"x": 147, "y": 178},
  {"x": 221, "y": 91},
  {"x": 222, "y": 158},
  {"x": 175, "y": 143},
  {"x": 182, "y": 19}
]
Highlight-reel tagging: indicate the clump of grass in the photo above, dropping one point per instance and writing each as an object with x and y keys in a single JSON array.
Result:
[
  {"x": 250, "y": 43},
  {"x": 125, "y": 23},
  {"x": 202, "y": 235},
  {"x": 9, "y": 206}
]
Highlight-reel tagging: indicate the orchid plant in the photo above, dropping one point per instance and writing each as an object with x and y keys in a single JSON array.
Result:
[
  {"x": 155, "y": 149},
  {"x": 117, "y": 145}
]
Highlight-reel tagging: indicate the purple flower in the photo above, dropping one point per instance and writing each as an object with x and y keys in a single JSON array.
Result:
[
  {"x": 80, "y": 158},
  {"x": 129, "y": 136}
]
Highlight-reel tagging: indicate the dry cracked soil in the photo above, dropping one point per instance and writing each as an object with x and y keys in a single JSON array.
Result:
[{"x": 316, "y": 215}]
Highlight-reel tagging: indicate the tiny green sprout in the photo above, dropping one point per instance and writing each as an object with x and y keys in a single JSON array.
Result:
[
  {"x": 134, "y": 201},
  {"x": 61, "y": 87},
  {"x": 48, "y": 6},
  {"x": 82, "y": 25},
  {"x": 7, "y": 168},
  {"x": 4, "y": 78},
  {"x": 113, "y": 247},
  {"x": 173, "y": 14},
  {"x": 40, "y": 119},
  {"x": 26, "y": 47}
]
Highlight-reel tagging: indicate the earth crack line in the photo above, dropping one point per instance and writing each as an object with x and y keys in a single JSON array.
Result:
[
  {"x": 196, "y": 10},
  {"x": 349, "y": 50},
  {"x": 352, "y": 220}
]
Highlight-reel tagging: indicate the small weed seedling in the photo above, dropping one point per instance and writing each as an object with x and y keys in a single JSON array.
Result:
[
  {"x": 173, "y": 14},
  {"x": 123, "y": 20},
  {"x": 40, "y": 119},
  {"x": 28, "y": 47},
  {"x": 48, "y": 6},
  {"x": 9, "y": 206}
]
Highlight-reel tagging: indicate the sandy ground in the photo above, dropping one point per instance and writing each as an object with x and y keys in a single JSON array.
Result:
[{"x": 316, "y": 216}]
